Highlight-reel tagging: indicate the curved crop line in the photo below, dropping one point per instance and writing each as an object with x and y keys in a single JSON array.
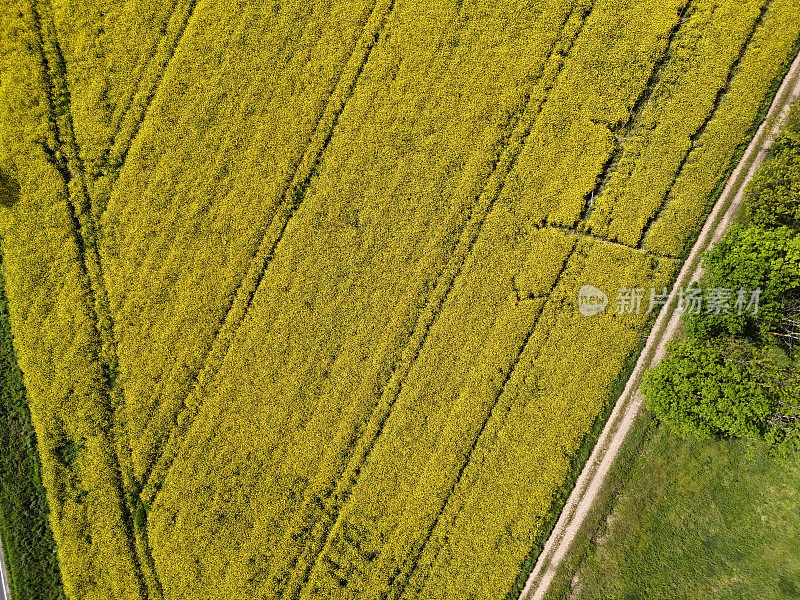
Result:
[
  {"x": 695, "y": 137},
  {"x": 291, "y": 199},
  {"x": 67, "y": 161},
  {"x": 469, "y": 234}
]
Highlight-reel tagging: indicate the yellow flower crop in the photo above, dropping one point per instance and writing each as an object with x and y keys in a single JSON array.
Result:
[{"x": 294, "y": 285}]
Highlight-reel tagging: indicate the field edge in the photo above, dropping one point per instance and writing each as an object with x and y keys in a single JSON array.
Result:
[{"x": 643, "y": 427}]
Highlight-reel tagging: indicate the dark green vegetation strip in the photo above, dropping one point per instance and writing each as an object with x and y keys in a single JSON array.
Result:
[{"x": 30, "y": 551}]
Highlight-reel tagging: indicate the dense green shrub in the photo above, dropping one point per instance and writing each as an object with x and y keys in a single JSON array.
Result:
[
  {"x": 750, "y": 258},
  {"x": 735, "y": 375},
  {"x": 725, "y": 387}
]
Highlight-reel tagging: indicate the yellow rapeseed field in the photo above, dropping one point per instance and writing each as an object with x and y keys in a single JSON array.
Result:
[{"x": 294, "y": 284}]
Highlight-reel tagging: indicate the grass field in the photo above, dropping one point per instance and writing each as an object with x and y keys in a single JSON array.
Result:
[
  {"x": 293, "y": 286},
  {"x": 701, "y": 519}
]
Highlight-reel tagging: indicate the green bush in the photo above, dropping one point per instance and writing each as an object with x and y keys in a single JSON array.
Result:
[
  {"x": 749, "y": 258},
  {"x": 723, "y": 388}
]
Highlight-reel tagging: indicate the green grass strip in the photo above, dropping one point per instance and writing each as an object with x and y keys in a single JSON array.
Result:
[{"x": 28, "y": 545}]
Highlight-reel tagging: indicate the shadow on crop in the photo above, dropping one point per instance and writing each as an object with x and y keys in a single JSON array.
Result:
[{"x": 9, "y": 189}]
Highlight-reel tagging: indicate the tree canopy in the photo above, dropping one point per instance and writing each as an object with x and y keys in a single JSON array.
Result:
[
  {"x": 734, "y": 375},
  {"x": 725, "y": 387}
]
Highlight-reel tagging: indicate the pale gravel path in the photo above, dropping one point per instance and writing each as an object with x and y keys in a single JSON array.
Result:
[
  {"x": 6, "y": 591},
  {"x": 594, "y": 473}
]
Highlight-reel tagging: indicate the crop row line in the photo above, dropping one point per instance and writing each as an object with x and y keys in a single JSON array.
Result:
[
  {"x": 66, "y": 159},
  {"x": 139, "y": 74},
  {"x": 698, "y": 134},
  {"x": 116, "y": 153},
  {"x": 646, "y": 95},
  {"x": 468, "y": 232},
  {"x": 292, "y": 197},
  {"x": 128, "y": 141},
  {"x": 406, "y": 577},
  {"x": 169, "y": 405}
]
